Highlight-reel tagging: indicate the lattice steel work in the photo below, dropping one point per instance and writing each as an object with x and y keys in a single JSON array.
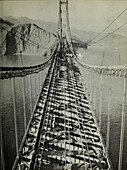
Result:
[
  {"x": 116, "y": 71},
  {"x": 63, "y": 133},
  {"x": 70, "y": 138}
]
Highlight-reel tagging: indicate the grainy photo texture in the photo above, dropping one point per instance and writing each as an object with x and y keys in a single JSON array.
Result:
[{"x": 63, "y": 80}]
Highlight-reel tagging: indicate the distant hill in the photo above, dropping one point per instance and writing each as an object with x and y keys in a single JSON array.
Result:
[
  {"x": 51, "y": 27},
  {"x": 48, "y": 26}
]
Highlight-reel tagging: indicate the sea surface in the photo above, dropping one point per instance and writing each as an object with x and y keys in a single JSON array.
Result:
[
  {"x": 114, "y": 84},
  {"x": 108, "y": 53},
  {"x": 32, "y": 85}
]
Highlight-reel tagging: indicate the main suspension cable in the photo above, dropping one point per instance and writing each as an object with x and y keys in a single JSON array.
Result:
[
  {"x": 108, "y": 26},
  {"x": 111, "y": 32}
]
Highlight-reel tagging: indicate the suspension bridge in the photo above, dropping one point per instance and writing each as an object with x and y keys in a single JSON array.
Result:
[{"x": 63, "y": 132}]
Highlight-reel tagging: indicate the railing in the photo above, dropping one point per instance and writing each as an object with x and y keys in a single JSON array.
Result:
[
  {"x": 117, "y": 71},
  {"x": 11, "y": 72},
  {"x": 106, "y": 88}
]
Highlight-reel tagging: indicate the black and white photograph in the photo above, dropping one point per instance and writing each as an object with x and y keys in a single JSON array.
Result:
[{"x": 63, "y": 84}]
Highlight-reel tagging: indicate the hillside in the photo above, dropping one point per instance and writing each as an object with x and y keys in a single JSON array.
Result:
[
  {"x": 23, "y": 35},
  {"x": 42, "y": 34}
]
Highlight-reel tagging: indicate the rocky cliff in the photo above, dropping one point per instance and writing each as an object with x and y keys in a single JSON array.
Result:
[
  {"x": 25, "y": 38},
  {"x": 35, "y": 36}
]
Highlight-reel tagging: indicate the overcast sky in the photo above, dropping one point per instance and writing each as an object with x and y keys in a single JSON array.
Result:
[{"x": 85, "y": 15}]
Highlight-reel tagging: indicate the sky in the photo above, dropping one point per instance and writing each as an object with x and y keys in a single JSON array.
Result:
[{"x": 89, "y": 15}]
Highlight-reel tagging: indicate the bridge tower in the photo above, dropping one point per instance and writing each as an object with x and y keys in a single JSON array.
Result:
[{"x": 64, "y": 33}]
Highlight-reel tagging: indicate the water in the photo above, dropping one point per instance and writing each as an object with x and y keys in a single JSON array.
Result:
[
  {"x": 7, "y": 107},
  {"x": 7, "y": 103},
  {"x": 115, "y": 115},
  {"x": 94, "y": 56}
]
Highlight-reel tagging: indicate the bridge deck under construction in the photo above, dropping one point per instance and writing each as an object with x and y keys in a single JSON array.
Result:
[{"x": 63, "y": 132}]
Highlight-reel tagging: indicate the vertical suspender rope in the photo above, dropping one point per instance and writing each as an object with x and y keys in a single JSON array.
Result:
[
  {"x": 15, "y": 117},
  {"x": 35, "y": 88},
  {"x": 119, "y": 51},
  {"x": 122, "y": 124},
  {"x": 2, "y": 152},
  {"x": 84, "y": 77},
  {"x": 108, "y": 118},
  {"x": 87, "y": 80},
  {"x": 100, "y": 105},
  {"x": 38, "y": 87},
  {"x": 38, "y": 83},
  {"x": 2, "y": 147},
  {"x": 40, "y": 78},
  {"x": 24, "y": 99},
  {"x": 92, "y": 89},
  {"x": 90, "y": 86},
  {"x": 88, "y": 83},
  {"x": 30, "y": 95},
  {"x": 94, "y": 100},
  {"x": 101, "y": 88}
]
